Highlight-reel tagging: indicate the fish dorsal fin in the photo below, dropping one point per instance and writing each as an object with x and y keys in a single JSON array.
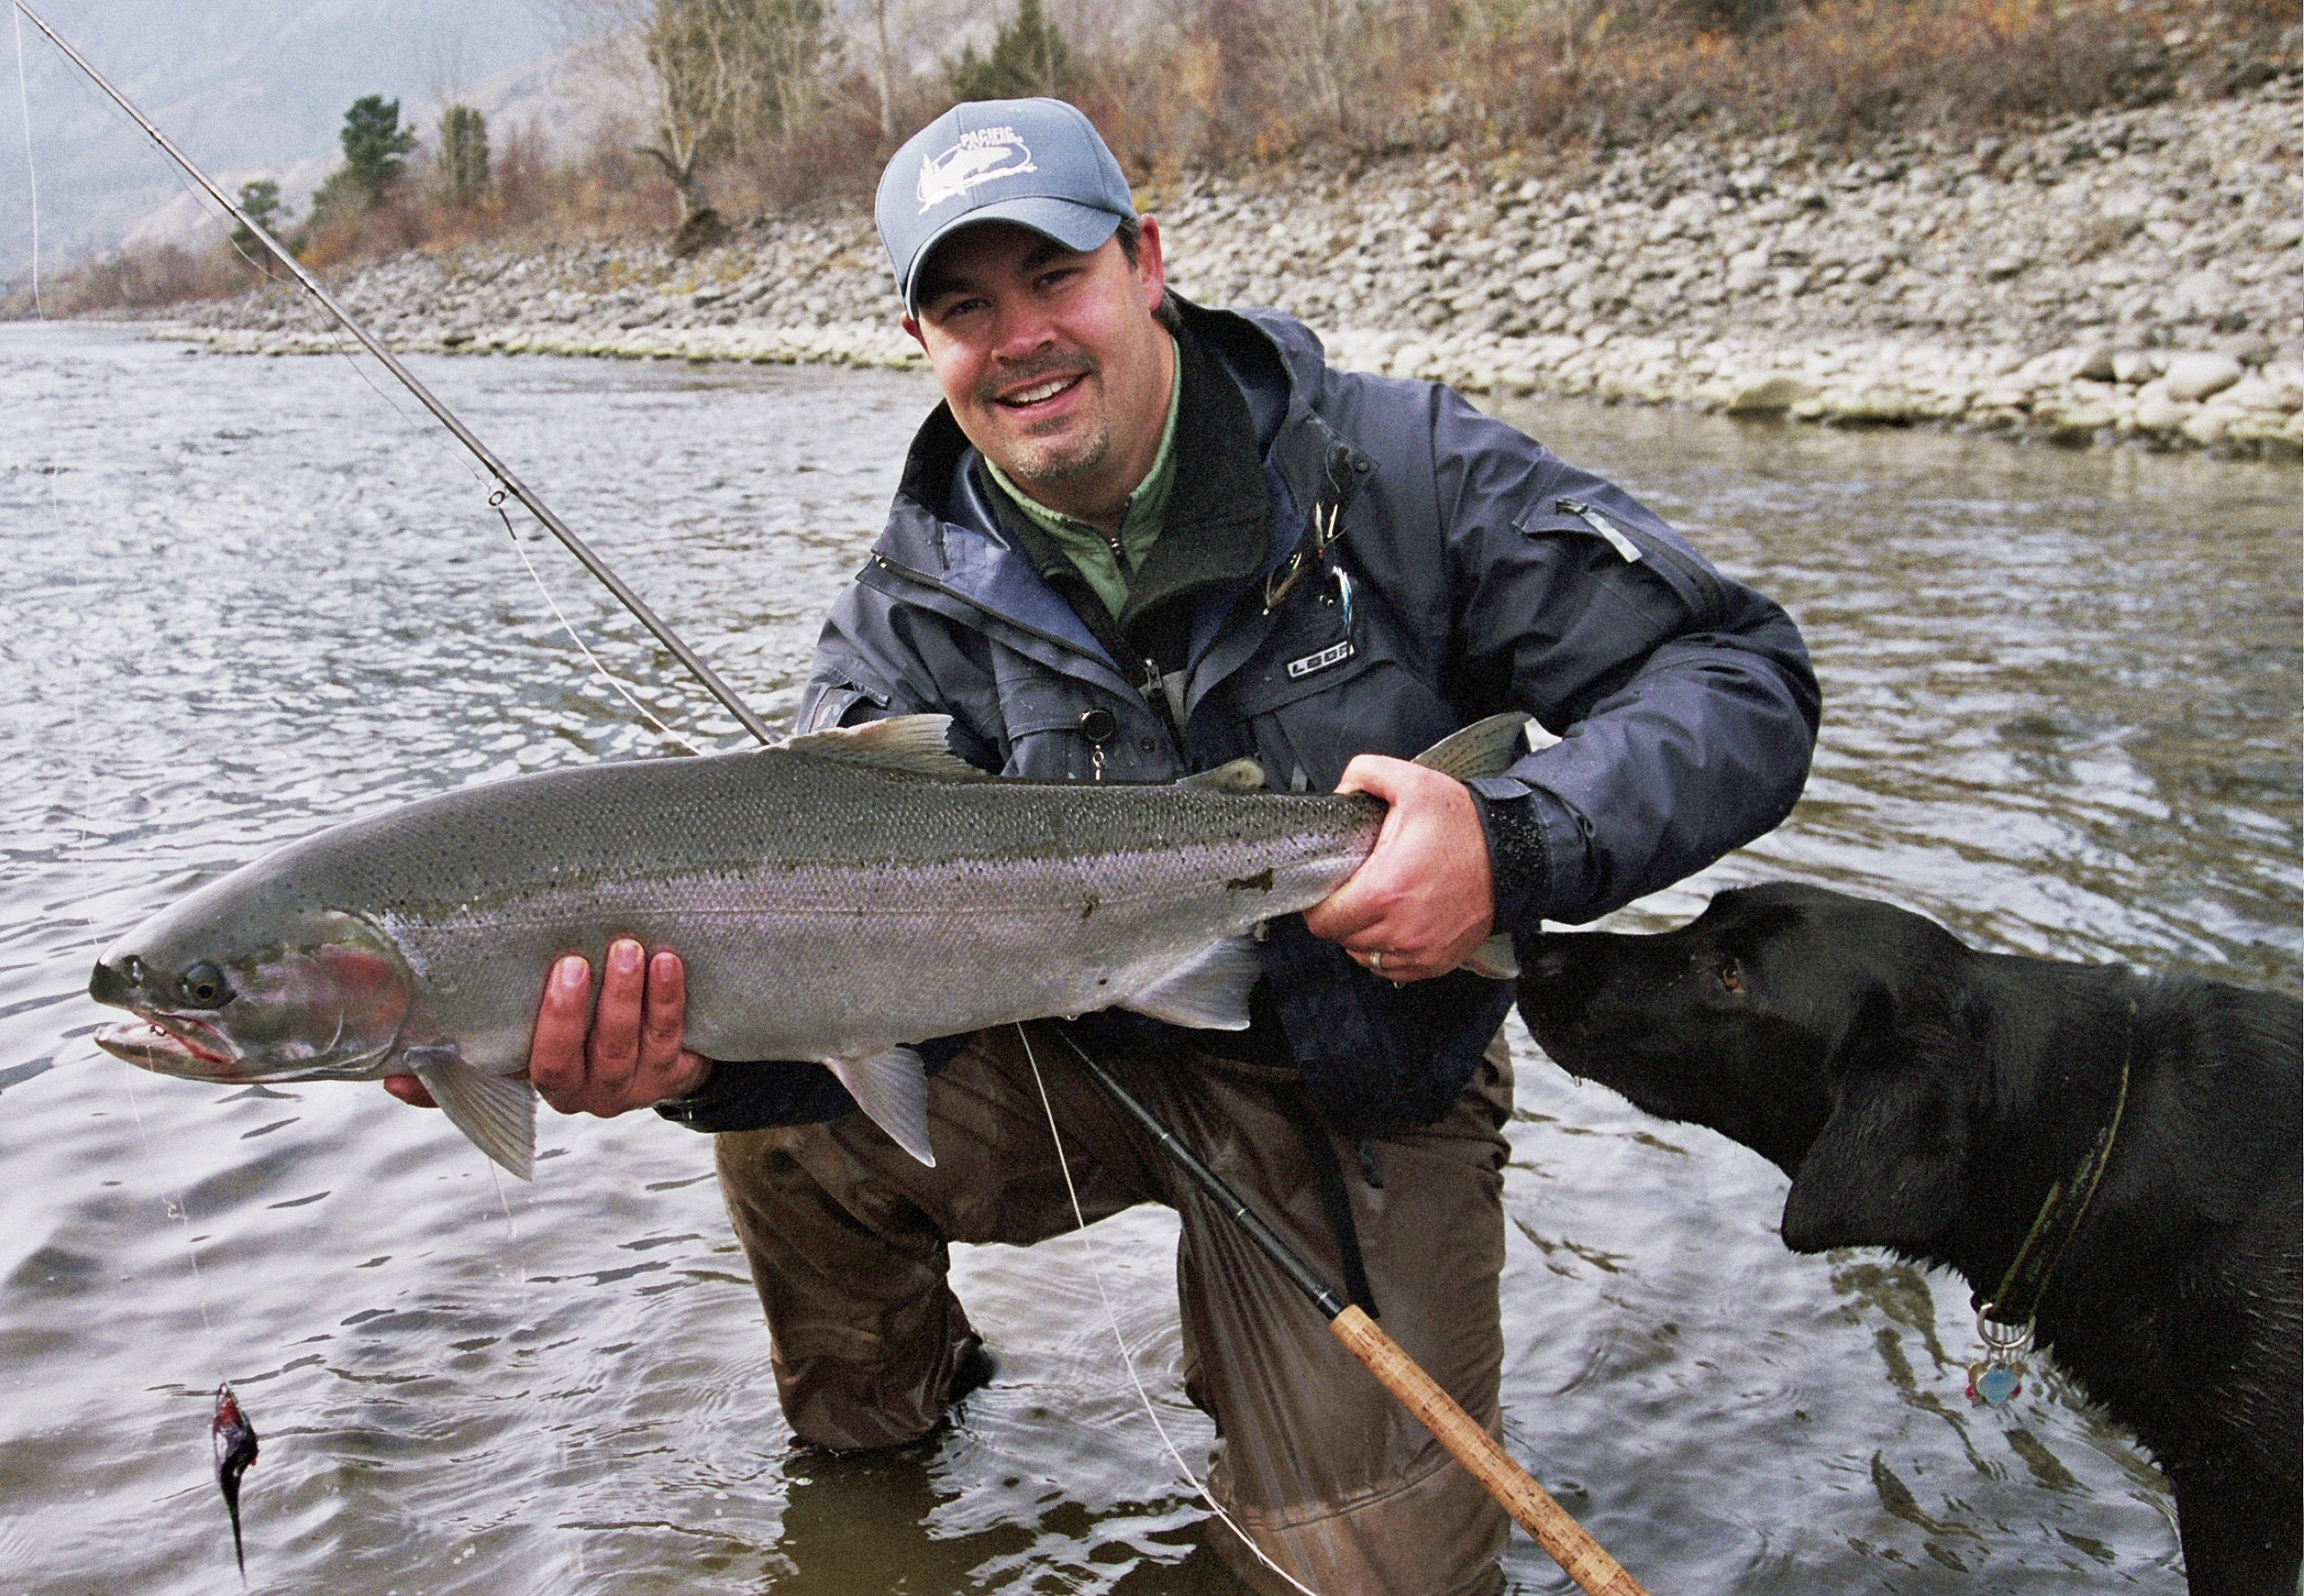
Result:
[
  {"x": 892, "y": 1090},
  {"x": 1495, "y": 960},
  {"x": 1208, "y": 991},
  {"x": 1483, "y": 748},
  {"x": 915, "y": 744},
  {"x": 1241, "y": 775},
  {"x": 498, "y": 1113}
]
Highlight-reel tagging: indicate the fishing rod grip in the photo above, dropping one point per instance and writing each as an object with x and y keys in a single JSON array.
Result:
[{"x": 1572, "y": 1546}]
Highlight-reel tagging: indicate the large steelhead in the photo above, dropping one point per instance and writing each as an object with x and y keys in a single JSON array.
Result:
[{"x": 837, "y": 898}]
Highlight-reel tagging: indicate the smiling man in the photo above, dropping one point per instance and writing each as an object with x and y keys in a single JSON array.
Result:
[{"x": 1141, "y": 538}]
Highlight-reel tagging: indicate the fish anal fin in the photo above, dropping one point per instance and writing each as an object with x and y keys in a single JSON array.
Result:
[
  {"x": 1495, "y": 960},
  {"x": 1241, "y": 775},
  {"x": 1208, "y": 991},
  {"x": 915, "y": 744},
  {"x": 498, "y": 1113},
  {"x": 1483, "y": 748},
  {"x": 892, "y": 1090}
]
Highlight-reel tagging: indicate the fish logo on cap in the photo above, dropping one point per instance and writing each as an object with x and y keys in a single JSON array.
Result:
[{"x": 980, "y": 157}]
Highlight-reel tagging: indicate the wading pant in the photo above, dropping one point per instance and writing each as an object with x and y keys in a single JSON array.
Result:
[{"x": 847, "y": 1239}]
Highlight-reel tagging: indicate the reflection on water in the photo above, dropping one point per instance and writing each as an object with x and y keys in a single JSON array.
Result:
[{"x": 243, "y": 599}]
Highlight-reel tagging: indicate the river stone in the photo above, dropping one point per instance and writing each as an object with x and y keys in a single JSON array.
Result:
[
  {"x": 1866, "y": 407},
  {"x": 2156, "y": 412},
  {"x": 2137, "y": 366},
  {"x": 2197, "y": 375},
  {"x": 1769, "y": 393}
]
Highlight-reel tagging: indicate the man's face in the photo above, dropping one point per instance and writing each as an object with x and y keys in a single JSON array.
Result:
[{"x": 1052, "y": 361}]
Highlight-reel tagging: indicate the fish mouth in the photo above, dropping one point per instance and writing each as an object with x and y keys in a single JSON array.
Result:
[{"x": 169, "y": 1045}]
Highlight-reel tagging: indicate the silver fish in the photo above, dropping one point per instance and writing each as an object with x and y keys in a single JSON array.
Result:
[{"x": 839, "y": 898}]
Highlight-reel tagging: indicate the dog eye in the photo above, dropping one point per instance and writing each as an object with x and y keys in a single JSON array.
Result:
[{"x": 1731, "y": 975}]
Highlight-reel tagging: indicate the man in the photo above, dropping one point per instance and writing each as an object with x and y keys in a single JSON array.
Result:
[{"x": 1141, "y": 538}]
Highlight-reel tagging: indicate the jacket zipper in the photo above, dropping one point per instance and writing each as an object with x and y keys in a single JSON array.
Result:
[
  {"x": 1152, "y": 689},
  {"x": 1634, "y": 548}
]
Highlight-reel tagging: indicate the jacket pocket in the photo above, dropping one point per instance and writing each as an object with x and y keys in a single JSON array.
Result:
[
  {"x": 1689, "y": 578},
  {"x": 829, "y": 702}
]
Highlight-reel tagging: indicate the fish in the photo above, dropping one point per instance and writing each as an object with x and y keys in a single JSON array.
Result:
[
  {"x": 839, "y": 898},
  {"x": 232, "y": 1439}
]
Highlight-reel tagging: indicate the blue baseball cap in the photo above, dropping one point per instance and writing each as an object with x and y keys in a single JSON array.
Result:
[{"x": 1039, "y": 163}]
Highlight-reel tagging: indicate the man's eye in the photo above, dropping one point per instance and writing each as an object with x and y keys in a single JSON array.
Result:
[{"x": 1731, "y": 975}]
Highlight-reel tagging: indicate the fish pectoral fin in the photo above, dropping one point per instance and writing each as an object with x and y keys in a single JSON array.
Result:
[
  {"x": 892, "y": 1090},
  {"x": 916, "y": 744},
  {"x": 1241, "y": 775},
  {"x": 1208, "y": 991},
  {"x": 1495, "y": 960},
  {"x": 498, "y": 1113},
  {"x": 1483, "y": 748}
]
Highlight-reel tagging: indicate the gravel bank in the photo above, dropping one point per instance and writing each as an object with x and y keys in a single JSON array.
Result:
[{"x": 2136, "y": 275}]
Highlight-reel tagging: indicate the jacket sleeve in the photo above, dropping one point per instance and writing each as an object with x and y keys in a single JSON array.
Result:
[{"x": 1684, "y": 703}]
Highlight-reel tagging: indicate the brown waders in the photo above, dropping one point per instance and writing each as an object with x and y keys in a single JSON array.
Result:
[{"x": 847, "y": 1239}]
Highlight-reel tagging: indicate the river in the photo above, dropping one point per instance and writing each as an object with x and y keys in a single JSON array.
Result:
[{"x": 243, "y": 599}]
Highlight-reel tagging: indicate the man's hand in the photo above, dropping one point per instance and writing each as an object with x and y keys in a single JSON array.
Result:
[
  {"x": 629, "y": 1057},
  {"x": 1425, "y": 899}
]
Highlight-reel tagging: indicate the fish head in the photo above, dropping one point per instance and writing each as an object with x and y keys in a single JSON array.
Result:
[{"x": 303, "y": 994}]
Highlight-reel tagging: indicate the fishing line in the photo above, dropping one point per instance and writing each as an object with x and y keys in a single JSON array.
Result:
[
  {"x": 173, "y": 1205},
  {"x": 24, "y": 100},
  {"x": 1121, "y": 1340},
  {"x": 335, "y": 334}
]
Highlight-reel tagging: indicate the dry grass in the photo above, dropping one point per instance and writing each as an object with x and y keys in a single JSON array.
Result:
[{"x": 1231, "y": 83}]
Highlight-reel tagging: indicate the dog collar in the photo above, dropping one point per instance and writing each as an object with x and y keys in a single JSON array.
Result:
[{"x": 2005, "y": 1321}]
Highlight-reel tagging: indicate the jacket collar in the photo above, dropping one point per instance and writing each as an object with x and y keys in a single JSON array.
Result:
[{"x": 944, "y": 528}]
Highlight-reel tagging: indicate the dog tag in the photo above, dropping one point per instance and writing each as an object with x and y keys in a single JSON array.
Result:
[{"x": 1994, "y": 1383}]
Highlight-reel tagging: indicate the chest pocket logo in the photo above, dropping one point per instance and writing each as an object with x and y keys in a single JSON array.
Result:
[{"x": 1335, "y": 653}]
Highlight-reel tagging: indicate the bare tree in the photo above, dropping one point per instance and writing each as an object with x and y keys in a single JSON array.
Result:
[
  {"x": 884, "y": 69},
  {"x": 716, "y": 75}
]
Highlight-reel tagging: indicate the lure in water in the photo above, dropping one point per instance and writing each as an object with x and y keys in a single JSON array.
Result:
[{"x": 234, "y": 1440}]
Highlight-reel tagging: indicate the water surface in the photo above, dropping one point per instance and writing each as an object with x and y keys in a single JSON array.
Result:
[{"x": 243, "y": 599}]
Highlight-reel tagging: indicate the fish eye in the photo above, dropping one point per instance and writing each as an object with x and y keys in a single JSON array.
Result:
[{"x": 204, "y": 986}]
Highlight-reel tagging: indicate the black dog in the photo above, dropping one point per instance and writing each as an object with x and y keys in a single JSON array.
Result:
[{"x": 1925, "y": 1098}]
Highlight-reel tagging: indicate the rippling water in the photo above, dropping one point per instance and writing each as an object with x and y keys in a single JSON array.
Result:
[{"x": 243, "y": 599}]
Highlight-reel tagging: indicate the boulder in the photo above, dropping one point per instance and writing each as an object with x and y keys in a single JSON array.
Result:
[
  {"x": 2195, "y": 376},
  {"x": 1768, "y": 393}
]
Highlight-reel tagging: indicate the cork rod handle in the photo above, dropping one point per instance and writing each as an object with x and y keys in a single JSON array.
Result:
[{"x": 1587, "y": 1561}]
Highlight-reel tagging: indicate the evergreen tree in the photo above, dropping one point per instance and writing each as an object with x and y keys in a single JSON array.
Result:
[
  {"x": 375, "y": 147},
  {"x": 464, "y": 153},
  {"x": 1029, "y": 57},
  {"x": 261, "y": 200}
]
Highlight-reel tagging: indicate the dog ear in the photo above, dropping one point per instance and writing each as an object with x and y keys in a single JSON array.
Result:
[{"x": 1888, "y": 1168}]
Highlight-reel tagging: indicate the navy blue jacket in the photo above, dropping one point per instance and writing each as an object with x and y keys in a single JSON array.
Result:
[{"x": 1480, "y": 573}]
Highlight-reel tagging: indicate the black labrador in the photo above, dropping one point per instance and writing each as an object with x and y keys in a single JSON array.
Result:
[{"x": 1925, "y": 1097}]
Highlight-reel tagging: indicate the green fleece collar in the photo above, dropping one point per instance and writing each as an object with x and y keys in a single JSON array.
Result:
[{"x": 1088, "y": 547}]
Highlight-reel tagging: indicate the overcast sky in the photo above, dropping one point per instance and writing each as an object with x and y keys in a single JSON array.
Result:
[{"x": 241, "y": 85}]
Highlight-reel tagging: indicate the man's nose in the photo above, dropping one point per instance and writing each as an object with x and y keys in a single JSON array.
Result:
[{"x": 1023, "y": 329}]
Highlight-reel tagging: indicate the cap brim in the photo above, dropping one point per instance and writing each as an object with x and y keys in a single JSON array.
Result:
[{"x": 1077, "y": 227}]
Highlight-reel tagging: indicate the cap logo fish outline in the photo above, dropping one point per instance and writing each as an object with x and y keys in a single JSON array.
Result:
[{"x": 980, "y": 157}]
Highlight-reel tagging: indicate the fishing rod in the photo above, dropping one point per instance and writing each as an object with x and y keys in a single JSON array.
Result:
[
  {"x": 1572, "y": 1546},
  {"x": 1530, "y": 1505},
  {"x": 511, "y": 484}
]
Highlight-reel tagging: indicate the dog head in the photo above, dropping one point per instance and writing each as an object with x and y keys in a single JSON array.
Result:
[{"x": 1812, "y": 1027}]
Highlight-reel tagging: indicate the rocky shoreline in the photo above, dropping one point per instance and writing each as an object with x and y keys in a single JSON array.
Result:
[{"x": 2134, "y": 276}]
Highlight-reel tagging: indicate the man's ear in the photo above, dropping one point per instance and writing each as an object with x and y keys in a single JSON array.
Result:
[
  {"x": 1151, "y": 264},
  {"x": 911, "y": 325},
  {"x": 1888, "y": 1169}
]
